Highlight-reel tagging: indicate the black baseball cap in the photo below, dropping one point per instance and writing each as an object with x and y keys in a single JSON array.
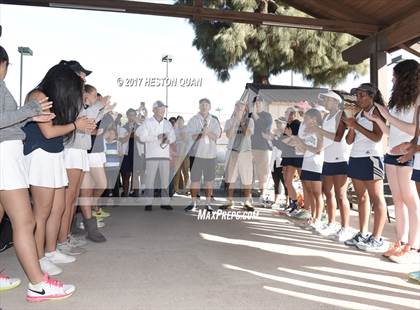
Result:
[{"x": 75, "y": 66}]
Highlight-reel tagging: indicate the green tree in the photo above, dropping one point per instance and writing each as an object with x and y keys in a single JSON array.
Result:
[{"x": 270, "y": 50}]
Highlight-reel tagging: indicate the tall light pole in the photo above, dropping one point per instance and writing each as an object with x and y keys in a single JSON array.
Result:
[
  {"x": 167, "y": 59},
  {"x": 24, "y": 51}
]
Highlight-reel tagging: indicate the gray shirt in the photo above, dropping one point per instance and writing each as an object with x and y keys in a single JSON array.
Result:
[
  {"x": 240, "y": 142},
  {"x": 82, "y": 140},
  {"x": 204, "y": 147},
  {"x": 12, "y": 119}
]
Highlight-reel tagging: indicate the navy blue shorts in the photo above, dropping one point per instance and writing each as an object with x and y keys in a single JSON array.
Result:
[
  {"x": 306, "y": 175},
  {"x": 392, "y": 160},
  {"x": 330, "y": 169},
  {"x": 292, "y": 161},
  {"x": 366, "y": 168},
  {"x": 416, "y": 175}
]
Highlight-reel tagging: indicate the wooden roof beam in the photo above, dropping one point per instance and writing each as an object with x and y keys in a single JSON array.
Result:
[
  {"x": 387, "y": 39},
  {"x": 204, "y": 13},
  {"x": 411, "y": 49}
]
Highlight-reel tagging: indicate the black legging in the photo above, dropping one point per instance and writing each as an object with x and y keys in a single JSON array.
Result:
[{"x": 277, "y": 175}]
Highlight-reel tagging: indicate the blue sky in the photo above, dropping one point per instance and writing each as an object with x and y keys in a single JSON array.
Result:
[{"x": 118, "y": 45}]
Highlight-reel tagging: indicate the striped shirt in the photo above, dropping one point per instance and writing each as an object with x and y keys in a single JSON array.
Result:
[{"x": 111, "y": 153}]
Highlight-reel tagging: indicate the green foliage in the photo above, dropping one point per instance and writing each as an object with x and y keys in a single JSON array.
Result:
[{"x": 270, "y": 50}]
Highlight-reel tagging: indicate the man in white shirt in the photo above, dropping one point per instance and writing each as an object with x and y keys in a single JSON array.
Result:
[
  {"x": 204, "y": 129},
  {"x": 157, "y": 134}
]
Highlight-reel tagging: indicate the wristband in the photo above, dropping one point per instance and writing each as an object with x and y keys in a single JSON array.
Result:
[{"x": 74, "y": 124}]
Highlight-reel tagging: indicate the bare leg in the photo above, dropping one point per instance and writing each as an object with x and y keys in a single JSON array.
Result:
[
  {"x": 99, "y": 180},
  {"x": 72, "y": 192},
  {"x": 340, "y": 188},
  {"x": 86, "y": 192},
  {"x": 328, "y": 189},
  {"x": 288, "y": 178},
  {"x": 23, "y": 224},
  {"x": 401, "y": 214},
  {"x": 54, "y": 221},
  {"x": 43, "y": 198},
  {"x": 316, "y": 190},
  {"x": 376, "y": 192},
  {"x": 309, "y": 202},
  {"x": 195, "y": 186},
  {"x": 209, "y": 191},
  {"x": 363, "y": 205}
]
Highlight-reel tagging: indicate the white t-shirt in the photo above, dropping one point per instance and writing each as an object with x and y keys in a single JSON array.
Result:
[
  {"x": 334, "y": 152},
  {"x": 397, "y": 136},
  {"x": 362, "y": 145},
  {"x": 311, "y": 161}
]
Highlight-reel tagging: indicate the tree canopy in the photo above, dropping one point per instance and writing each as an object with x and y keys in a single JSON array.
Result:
[{"x": 270, "y": 50}]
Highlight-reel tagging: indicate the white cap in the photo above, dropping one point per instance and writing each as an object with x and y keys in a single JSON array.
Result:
[
  {"x": 330, "y": 94},
  {"x": 320, "y": 108},
  {"x": 159, "y": 104}
]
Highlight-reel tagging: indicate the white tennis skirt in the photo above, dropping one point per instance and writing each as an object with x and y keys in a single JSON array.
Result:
[
  {"x": 46, "y": 169},
  {"x": 96, "y": 160},
  {"x": 13, "y": 174},
  {"x": 76, "y": 159}
]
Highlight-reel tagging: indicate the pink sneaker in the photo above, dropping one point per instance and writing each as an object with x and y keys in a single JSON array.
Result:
[
  {"x": 7, "y": 283},
  {"x": 49, "y": 289}
]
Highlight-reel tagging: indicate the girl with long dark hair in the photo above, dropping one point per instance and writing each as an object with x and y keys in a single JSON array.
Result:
[
  {"x": 43, "y": 149},
  {"x": 366, "y": 168},
  {"x": 402, "y": 118},
  {"x": 14, "y": 196}
]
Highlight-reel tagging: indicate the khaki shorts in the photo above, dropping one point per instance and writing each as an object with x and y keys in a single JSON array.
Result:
[
  {"x": 262, "y": 163},
  {"x": 240, "y": 164}
]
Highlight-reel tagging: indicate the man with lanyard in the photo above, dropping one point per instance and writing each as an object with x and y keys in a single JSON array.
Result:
[{"x": 205, "y": 130}]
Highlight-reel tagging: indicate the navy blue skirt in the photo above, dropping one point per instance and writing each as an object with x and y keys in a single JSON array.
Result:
[
  {"x": 331, "y": 169},
  {"x": 392, "y": 160},
  {"x": 292, "y": 161},
  {"x": 416, "y": 175},
  {"x": 306, "y": 175},
  {"x": 366, "y": 168}
]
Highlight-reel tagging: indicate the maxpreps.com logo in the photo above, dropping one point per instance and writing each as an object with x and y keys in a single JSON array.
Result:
[{"x": 204, "y": 215}]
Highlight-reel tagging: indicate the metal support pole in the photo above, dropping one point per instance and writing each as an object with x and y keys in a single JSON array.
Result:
[{"x": 21, "y": 79}]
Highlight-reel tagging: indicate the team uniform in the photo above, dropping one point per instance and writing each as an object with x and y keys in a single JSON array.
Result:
[
  {"x": 336, "y": 154},
  {"x": 13, "y": 173},
  {"x": 365, "y": 161},
  {"x": 290, "y": 158},
  {"x": 312, "y": 162},
  {"x": 44, "y": 158},
  {"x": 397, "y": 136}
]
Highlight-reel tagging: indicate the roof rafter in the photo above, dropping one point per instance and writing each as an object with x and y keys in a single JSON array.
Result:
[{"x": 198, "y": 12}]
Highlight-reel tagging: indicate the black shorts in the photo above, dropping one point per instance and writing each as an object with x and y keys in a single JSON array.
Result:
[
  {"x": 205, "y": 167},
  {"x": 292, "y": 161}
]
